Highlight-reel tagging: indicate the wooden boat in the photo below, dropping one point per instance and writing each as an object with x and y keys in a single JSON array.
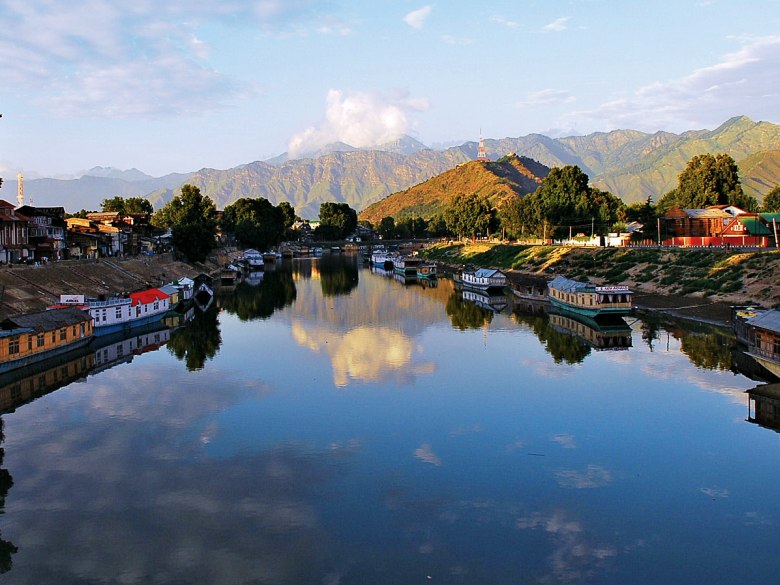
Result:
[
  {"x": 587, "y": 299},
  {"x": 427, "y": 271},
  {"x": 483, "y": 279},
  {"x": 381, "y": 258},
  {"x": 33, "y": 337}
]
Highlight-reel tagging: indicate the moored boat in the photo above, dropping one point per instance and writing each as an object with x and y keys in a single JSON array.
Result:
[
  {"x": 427, "y": 271},
  {"x": 588, "y": 299},
  {"x": 483, "y": 279},
  {"x": 33, "y": 337},
  {"x": 762, "y": 336},
  {"x": 252, "y": 259},
  {"x": 406, "y": 265},
  {"x": 120, "y": 313}
]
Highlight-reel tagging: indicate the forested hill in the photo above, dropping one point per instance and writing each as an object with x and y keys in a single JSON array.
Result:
[{"x": 511, "y": 176}]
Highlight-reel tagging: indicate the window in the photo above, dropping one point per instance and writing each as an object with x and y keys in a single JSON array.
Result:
[
  {"x": 40, "y": 340},
  {"x": 29, "y": 343},
  {"x": 13, "y": 345},
  {"x": 119, "y": 312},
  {"x": 63, "y": 334}
]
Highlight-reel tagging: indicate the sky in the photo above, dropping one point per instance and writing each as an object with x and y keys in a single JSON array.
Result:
[{"x": 169, "y": 86}]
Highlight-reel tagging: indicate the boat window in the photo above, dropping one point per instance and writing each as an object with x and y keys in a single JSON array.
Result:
[
  {"x": 63, "y": 334},
  {"x": 40, "y": 341},
  {"x": 13, "y": 345}
]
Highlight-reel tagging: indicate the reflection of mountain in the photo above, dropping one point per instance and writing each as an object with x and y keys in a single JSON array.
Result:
[
  {"x": 764, "y": 406},
  {"x": 23, "y": 386},
  {"x": 367, "y": 354}
]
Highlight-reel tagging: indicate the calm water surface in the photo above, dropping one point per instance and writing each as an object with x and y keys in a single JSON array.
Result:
[{"x": 335, "y": 426}]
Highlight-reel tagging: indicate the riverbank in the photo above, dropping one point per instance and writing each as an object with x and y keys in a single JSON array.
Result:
[
  {"x": 25, "y": 289},
  {"x": 697, "y": 284}
]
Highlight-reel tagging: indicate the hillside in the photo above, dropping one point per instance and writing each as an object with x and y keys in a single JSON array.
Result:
[
  {"x": 760, "y": 172},
  {"x": 510, "y": 176}
]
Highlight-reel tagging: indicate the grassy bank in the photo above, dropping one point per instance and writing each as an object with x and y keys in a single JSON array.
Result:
[{"x": 750, "y": 277}]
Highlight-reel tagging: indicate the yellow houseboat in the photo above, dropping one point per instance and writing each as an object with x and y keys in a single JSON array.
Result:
[{"x": 25, "y": 339}]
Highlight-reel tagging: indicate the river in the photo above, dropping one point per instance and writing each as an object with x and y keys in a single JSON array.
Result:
[{"x": 333, "y": 425}]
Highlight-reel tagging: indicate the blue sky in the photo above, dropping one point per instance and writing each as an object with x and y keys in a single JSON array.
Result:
[{"x": 174, "y": 86}]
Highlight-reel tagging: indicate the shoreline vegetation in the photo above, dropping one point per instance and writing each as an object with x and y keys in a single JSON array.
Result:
[{"x": 698, "y": 284}]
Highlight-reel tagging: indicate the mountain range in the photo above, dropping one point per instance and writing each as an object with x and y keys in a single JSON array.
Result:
[{"x": 628, "y": 163}]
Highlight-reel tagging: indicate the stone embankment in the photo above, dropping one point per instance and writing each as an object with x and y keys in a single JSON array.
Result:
[{"x": 25, "y": 289}]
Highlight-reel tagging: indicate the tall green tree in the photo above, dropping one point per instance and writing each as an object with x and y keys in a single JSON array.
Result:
[
  {"x": 256, "y": 223},
  {"x": 708, "y": 180},
  {"x": 772, "y": 200},
  {"x": 469, "y": 215},
  {"x": 386, "y": 227},
  {"x": 127, "y": 206},
  {"x": 192, "y": 218},
  {"x": 337, "y": 221}
]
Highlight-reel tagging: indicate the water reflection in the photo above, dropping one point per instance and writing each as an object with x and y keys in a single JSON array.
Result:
[
  {"x": 197, "y": 341},
  {"x": 7, "y": 548},
  {"x": 256, "y": 300},
  {"x": 337, "y": 277},
  {"x": 764, "y": 406},
  {"x": 465, "y": 314}
]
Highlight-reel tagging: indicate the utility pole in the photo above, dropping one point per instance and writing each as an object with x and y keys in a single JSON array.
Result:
[{"x": 774, "y": 225}]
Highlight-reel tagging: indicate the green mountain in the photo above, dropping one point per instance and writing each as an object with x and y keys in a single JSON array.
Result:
[{"x": 509, "y": 177}]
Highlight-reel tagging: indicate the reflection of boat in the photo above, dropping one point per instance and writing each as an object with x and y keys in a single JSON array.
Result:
[
  {"x": 761, "y": 333},
  {"x": 427, "y": 271},
  {"x": 204, "y": 293},
  {"x": 487, "y": 279},
  {"x": 588, "y": 299},
  {"x": 608, "y": 332},
  {"x": 404, "y": 278},
  {"x": 33, "y": 337},
  {"x": 764, "y": 406},
  {"x": 492, "y": 302},
  {"x": 27, "y": 384},
  {"x": 254, "y": 278}
]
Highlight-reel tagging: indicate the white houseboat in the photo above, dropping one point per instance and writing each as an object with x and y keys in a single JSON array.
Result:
[
  {"x": 252, "y": 260},
  {"x": 122, "y": 313},
  {"x": 406, "y": 265},
  {"x": 485, "y": 279},
  {"x": 587, "y": 299},
  {"x": 762, "y": 336}
]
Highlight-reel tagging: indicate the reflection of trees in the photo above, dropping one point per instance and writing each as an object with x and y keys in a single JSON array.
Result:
[
  {"x": 197, "y": 341},
  {"x": 561, "y": 346},
  {"x": 650, "y": 333},
  {"x": 276, "y": 291},
  {"x": 709, "y": 351},
  {"x": 7, "y": 548},
  {"x": 338, "y": 275},
  {"x": 466, "y": 315}
]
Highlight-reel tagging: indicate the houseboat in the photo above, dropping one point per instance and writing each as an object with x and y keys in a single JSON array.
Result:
[
  {"x": 252, "y": 260},
  {"x": 203, "y": 294},
  {"x": 33, "y": 337},
  {"x": 406, "y": 265},
  {"x": 588, "y": 299},
  {"x": 426, "y": 271},
  {"x": 121, "y": 313},
  {"x": 381, "y": 258},
  {"x": 483, "y": 279},
  {"x": 762, "y": 337}
]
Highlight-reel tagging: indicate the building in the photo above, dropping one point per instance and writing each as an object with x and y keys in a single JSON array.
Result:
[
  {"x": 718, "y": 225},
  {"x": 46, "y": 231},
  {"x": 14, "y": 234}
]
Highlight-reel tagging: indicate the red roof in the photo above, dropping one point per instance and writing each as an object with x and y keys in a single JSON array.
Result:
[{"x": 145, "y": 297}]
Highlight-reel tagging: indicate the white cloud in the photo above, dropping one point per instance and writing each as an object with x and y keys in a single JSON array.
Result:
[
  {"x": 505, "y": 22},
  {"x": 557, "y": 25},
  {"x": 146, "y": 58},
  {"x": 451, "y": 40},
  {"x": 416, "y": 18},
  {"x": 358, "y": 119},
  {"x": 425, "y": 453},
  {"x": 744, "y": 82},
  {"x": 545, "y": 97}
]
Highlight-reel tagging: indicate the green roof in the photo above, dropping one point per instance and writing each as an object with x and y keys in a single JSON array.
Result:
[{"x": 755, "y": 226}]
